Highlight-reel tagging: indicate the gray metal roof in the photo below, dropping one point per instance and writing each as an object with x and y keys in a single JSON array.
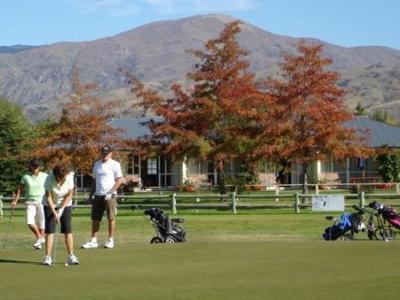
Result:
[
  {"x": 378, "y": 134},
  {"x": 133, "y": 127}
]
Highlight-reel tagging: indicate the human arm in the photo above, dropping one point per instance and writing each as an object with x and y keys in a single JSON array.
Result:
[
  {"x": 51, "y": 205},
  {"x": 17, "y": 195},
  {"x": 92, "y": 190},
  {"x": 67, "y": 198}
]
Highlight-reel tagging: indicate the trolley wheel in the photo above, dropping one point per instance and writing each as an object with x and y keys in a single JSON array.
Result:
[
  {"x": 385, "y": 234},
  {"x": 156, "y": 240},
  {"x": 371, "y": 235},
  {"x": 170, "y": 240},
  {"x": 348, "y": 237}
]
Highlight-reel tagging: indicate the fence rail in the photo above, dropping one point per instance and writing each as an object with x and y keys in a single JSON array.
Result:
[{"x": 232, "y": 201}]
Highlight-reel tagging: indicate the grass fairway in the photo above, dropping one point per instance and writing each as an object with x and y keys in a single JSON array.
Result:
[{"x": 265, "y": 256}]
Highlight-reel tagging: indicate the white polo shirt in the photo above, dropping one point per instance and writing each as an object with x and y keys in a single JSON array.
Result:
[
  {"x": 105, "y": 174},
  {"x": 58, "y": 191}
]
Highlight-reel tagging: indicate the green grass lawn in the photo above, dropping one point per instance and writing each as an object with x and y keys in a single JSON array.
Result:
[{"x": 245, "y": 256}]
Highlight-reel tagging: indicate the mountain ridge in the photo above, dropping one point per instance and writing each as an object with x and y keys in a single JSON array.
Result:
[{"x": 38, "y": 78}]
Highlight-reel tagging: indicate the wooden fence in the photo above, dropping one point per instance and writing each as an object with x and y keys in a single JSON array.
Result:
[{"x": 231, "y": 202}]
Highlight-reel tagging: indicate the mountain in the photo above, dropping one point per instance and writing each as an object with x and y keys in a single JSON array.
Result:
[
  {"x": 38, "y": 78},
  {"x": 15, "y": 48}
]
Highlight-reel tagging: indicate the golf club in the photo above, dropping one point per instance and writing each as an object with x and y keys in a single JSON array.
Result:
[
  {"x": 54, "y": 254},
  {"x": 7, "y": 233}
]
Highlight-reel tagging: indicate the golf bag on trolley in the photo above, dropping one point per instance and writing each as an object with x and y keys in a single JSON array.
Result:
[
  {"x": 388, "y": 213},
  {"x": 167, "y": 229},
  {"x": 344, "y": 227}
]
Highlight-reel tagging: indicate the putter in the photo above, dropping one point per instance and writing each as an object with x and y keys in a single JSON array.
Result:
[
  {"x": 55, "y": 245},
  {"x": 7, "y": 234}
]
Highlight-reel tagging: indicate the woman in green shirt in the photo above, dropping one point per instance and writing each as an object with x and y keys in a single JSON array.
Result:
[{"x": 32, "y": 185}]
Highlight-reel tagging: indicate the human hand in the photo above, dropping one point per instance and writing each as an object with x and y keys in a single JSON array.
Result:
[
  {"x": 108, "y": 196},
  {"x": 59, "y": 213}
]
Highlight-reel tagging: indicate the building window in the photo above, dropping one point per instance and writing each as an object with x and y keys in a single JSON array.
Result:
[
  {"x": 152, "y": 166},
  {"x": 133, "y": 164}
]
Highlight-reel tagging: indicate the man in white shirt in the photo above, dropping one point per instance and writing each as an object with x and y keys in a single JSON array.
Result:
[{"x": 107, "y": 178}]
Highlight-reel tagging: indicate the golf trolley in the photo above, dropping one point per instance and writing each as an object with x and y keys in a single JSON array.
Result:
[
  {"x": 167, "y": 229},
  {"x": 344, "y": 227},
  {"x": 382, "y": 222}
]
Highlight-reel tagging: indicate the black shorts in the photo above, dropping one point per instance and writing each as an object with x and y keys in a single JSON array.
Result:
[{"x": 65, "y": 221}]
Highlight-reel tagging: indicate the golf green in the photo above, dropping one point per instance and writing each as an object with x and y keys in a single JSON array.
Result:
[{"x": 273, "y": 256}]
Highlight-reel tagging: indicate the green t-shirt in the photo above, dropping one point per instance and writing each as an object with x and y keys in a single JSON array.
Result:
[{"x": 34, "y": 186}]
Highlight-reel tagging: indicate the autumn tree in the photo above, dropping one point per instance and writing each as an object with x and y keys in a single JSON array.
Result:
[
  {"x": 84, "y": 125},
  {"x": 199, "y": 123},
  {"x": 313, "y": 110}
]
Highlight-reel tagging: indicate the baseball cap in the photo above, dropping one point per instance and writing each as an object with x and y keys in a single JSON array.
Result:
[{"x": 106, "y": 149}]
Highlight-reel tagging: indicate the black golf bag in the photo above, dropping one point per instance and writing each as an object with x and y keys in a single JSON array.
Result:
[
  {"x": 344, "y": 227},
  {"x": 167, "y": 229}
]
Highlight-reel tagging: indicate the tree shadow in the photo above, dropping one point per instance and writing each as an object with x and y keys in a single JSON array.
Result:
[{"x": 14, "y": 261}]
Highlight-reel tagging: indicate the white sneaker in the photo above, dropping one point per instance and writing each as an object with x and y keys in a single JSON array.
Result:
[
  {"x": 72, "y": 260},
  {"x": 90, "y": 245},
  {"x": 38, "y": 244},
  {"x": 47, "y": 261},
  {"x": 109, "y": 244}
]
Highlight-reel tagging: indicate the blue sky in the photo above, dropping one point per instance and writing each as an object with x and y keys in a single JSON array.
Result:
[{"x": 343, "y": 22}]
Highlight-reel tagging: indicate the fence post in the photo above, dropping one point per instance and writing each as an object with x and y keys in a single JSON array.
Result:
[
  {"x": 277, "y": 193},
  {"x": 317, "y": 188},
  {"x": 297, "y": 203},
  {"x": 397, "y": 188},
  {"x": 234, "y": 202},
  {"x": 174, "y": 203},
  {"x": 1, "y": 206},
  {"x": 362, "y": 199}
]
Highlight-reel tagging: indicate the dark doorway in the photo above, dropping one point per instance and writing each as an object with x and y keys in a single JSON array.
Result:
[{"x": 149, "y": 172}]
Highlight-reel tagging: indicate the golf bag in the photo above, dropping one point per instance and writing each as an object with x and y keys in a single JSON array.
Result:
[
  {"x": 167, "y": 229},
  {"x": 352, "y": 222},
  {"x": 387, "y": 212}
]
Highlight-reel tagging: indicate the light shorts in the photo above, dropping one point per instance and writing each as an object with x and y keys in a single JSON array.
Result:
[
  {"x": 100, "y": 205},
  {"x": 34, "y": 214}
]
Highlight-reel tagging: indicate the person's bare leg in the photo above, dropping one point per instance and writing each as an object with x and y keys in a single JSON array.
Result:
[
  {"x": 111, "y": 228},
  {"x": 69, "y": 243},
  {"x": 95, "y": 228},
  {"x": 49, "y": 243},
  {"x": 34, "y": 228}
]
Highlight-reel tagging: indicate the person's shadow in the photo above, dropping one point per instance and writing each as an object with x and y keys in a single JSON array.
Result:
[{"x": 13, "y": 261}]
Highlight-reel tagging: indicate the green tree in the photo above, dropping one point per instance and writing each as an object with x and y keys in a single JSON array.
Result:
[
  {"x": 389, "y": 165},
  {"x": 360, "y": 110},
  {"x": 14, "y": 132},
  {"x": 384, "y": 117}
]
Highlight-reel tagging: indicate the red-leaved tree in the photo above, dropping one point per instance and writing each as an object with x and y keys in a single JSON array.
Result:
[
  {"x": 200, "y": 123},
  {"x": 83, "y": 127},
  {"x": 312, "y": 111}
]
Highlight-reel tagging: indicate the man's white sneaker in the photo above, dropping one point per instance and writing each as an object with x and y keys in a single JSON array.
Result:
[
  {"x": 72, "y": 260},
  {"x": 109, "y": 244},
  {"x": 90, "y": 245},
  {"x": 47, "y": 261}
]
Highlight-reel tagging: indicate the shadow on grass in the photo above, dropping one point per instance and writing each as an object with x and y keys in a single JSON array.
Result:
[{"x": 14, "y": 261}]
